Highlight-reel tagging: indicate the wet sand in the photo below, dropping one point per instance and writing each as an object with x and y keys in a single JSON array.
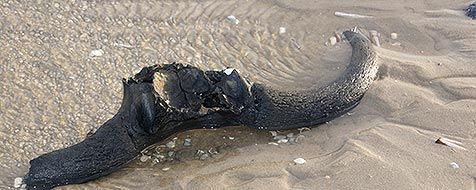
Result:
[{"x": 62, "y": 62}]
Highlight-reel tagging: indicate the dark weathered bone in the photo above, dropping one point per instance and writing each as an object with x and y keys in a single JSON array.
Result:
[{"x": 162, "y": 100}]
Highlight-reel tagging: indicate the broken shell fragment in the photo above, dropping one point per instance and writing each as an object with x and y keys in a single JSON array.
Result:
[
  {"x": 450, "y": 143},
  {"x": 273, "y": 133},
  {"x": 350, "y": 15},
  {"x": 338, "y": 37},
  {"x": 332, "y": 40},
  {"x": 454, "y": 165},
  {"x": 304, "y": 129},
  {"x": 233, "y": 19},
  {"x": 374, "y": 37},
  {"x": 299, "y": 161}
]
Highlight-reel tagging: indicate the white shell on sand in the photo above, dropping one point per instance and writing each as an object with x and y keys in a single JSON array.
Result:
[
  {"x": 350, "y": 15},
  {"x": 233, "y": 19},
  {"x": 394, "y": 36},
  {"x": 17, "y": 183},
  {"x": 282, "y": 30},
  {"x": 454, "y": 165},
  {"x": 299, "y": 161},
  {"x": 96, "y": 53},
  {"x": 333, "y": 40}
]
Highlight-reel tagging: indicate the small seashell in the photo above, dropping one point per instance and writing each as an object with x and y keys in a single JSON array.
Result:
[
  {"x": 233, "y": 19},
  {"x": 187, "y": 142},
  {"x": 282, "y": 30},
  {"x": 338, "y": 36},
  {"x": 273, "y": 133},
  {"x": 96, "y": 53},
  {"x": 454, "y": 165},
  {"x": 333, "y": 40},
  {"x": 212, "y": 151},
  {"x": 394, "y": 36},
  {"x": 450, "y": 143},
  {"x": 299, "y": 161},
  {"x": 17, "y": 182},
  {"x": 303, "y": 129},
  {"x": 144, "y": 158},
  {"x": 165, "y": 169}
]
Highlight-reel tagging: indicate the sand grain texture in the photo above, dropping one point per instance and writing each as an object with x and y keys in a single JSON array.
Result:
[{"x": 54, "y": 91}]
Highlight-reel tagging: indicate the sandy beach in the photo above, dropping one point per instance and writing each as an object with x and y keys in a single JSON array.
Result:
[{"x": 61, "y": 63}]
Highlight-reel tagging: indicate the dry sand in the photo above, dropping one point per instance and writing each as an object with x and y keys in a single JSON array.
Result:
[{"x": 53, "y": 91}]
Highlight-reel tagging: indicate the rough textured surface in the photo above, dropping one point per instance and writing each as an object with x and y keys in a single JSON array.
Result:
[
  {"x": 53, "y": 93},
  {"x": 162, "y": 100},
  {"x": 471, "y": 11},
  {"x": 284, "y": 109},
  {"x": 114, "y": 144}
]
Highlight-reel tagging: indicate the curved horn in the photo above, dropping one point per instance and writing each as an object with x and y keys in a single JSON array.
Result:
[
  {"x": 163, "y": 100},
  {"x": 276, "y": 109}
]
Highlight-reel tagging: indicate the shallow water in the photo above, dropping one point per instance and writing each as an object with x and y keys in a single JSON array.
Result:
[{"x": 53, "y": 91}]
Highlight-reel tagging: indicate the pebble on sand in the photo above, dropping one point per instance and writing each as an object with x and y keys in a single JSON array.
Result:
[
  {"x": 299, "y": 161},
  {"x": 165, "y": 169},
  {"x": 144, "y": 158},
  {"x": 187, "y": 142},
  {"x": 170, "y": 144},
  {"x": 233, "y": 19},
  {"x": 394, "y": 36},
  {"x": 333, "y": 40},
  {"x": 96, "y": 53},
  {"x": 282, "y": 30},
  {"x": 18, "y": 181}
]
